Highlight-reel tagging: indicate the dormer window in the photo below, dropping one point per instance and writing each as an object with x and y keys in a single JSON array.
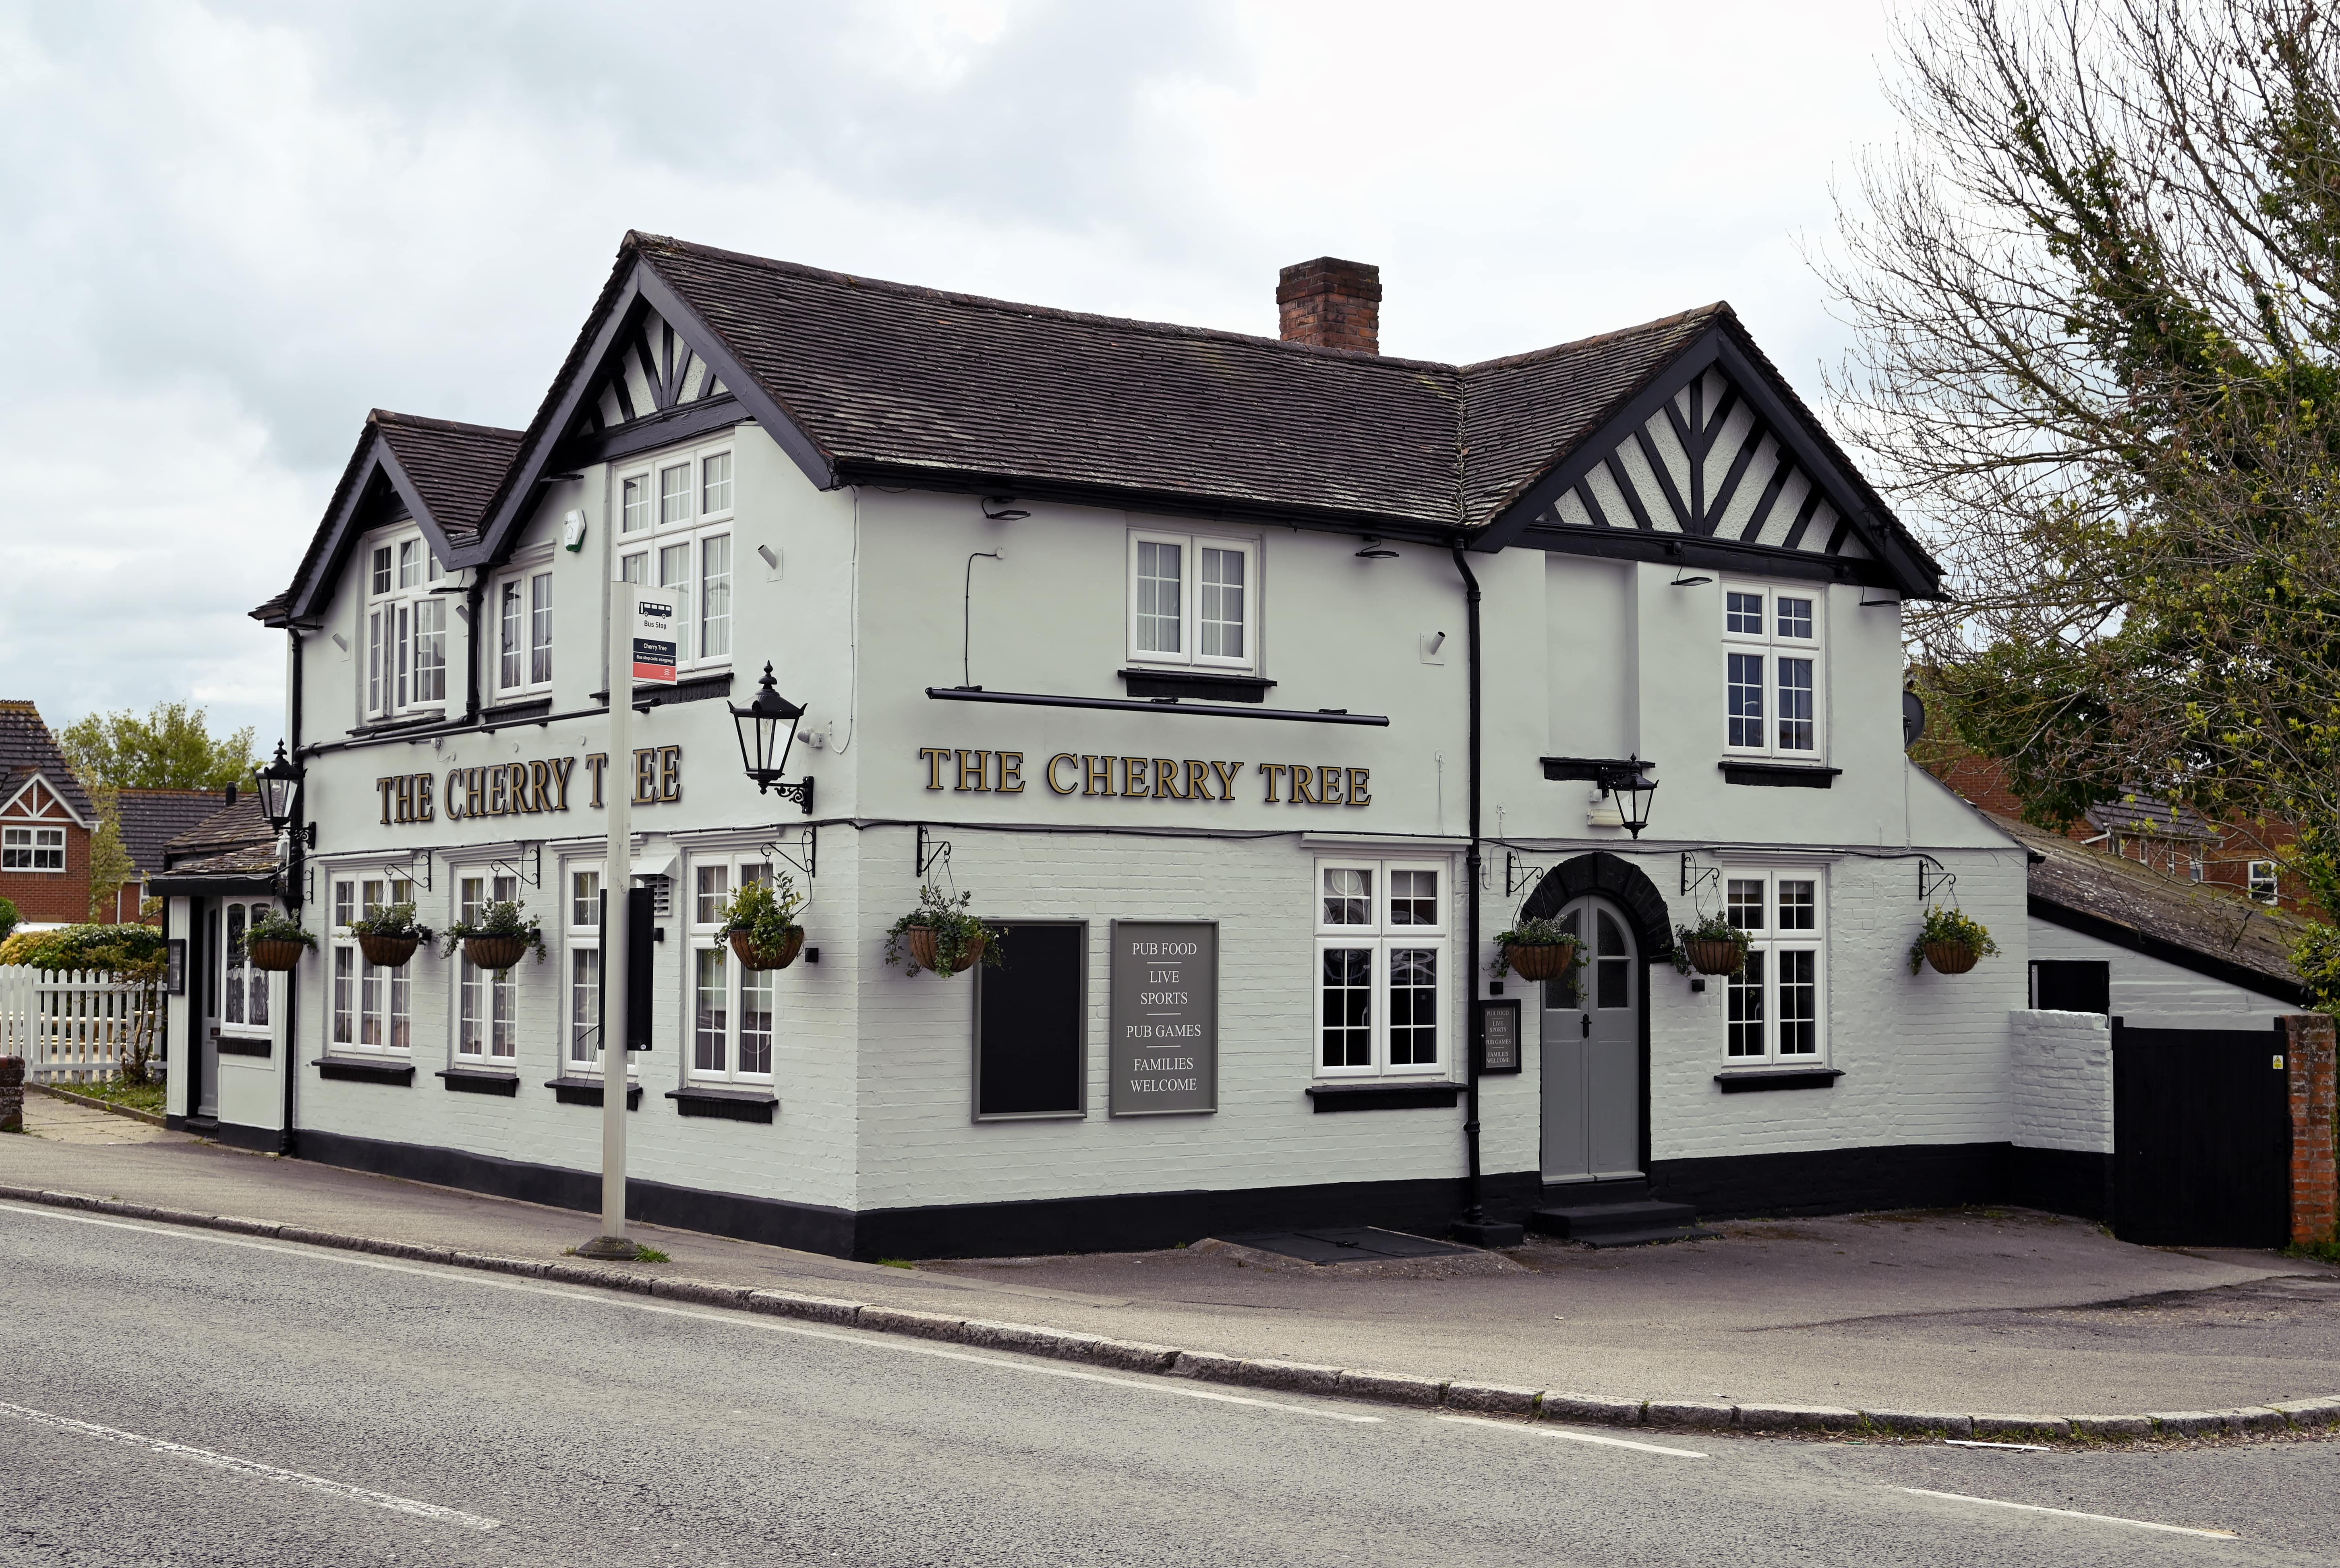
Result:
[{"x": 405, "y": 629}]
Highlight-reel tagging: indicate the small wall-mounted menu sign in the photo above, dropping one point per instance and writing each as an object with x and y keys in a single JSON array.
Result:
[{"x": 1164, "y": 1053}]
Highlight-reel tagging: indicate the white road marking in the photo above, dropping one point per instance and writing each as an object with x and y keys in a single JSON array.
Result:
[
  {"x": 229, "y": 1461},
  {"x": 2017, "y": 1447},
  {"x": 2070, "y": 1514},
  {"x": 735, "y": 1318},
  {"x": 1601, "y": 1438}
]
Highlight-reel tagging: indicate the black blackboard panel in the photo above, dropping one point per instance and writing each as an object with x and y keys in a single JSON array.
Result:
[{"x": 1031, "y": 1024}]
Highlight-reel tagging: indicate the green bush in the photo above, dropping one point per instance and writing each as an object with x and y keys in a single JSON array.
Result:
[
  {"x": 8, "y": 917},
  {"x": 119, "y": 949},
  {"x": 2317, "y": 956}
]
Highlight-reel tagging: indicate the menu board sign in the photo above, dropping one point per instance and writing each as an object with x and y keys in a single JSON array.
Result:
[{"x": 1164, "y": 1054}]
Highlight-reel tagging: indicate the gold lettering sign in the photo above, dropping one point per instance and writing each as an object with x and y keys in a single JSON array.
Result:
[
  {"x": 524, "y": 788},
  {"x": 962, "y": 772}
]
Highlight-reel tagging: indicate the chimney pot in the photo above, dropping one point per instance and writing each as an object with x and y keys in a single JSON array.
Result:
[{"x": 1331, "y": 304}]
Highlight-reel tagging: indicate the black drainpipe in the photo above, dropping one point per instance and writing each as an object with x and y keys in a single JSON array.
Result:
[
  {"x": 1475, "y": 1213},
  {"x": 471, "y": 645},
  {"x": 287, "y": 1142}
]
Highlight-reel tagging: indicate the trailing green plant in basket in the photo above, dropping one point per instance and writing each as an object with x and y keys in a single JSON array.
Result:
[
  {"x": 1712, "y": 947},
  {"x": 504, "y": 918},
  {"x": 277, "y": 926},
  {"x": 1952, "y": 941},
  {"x": 941, "y": 936},
  {"x": 759, "y": 922},
  {"x": 1539, "y": 949}
]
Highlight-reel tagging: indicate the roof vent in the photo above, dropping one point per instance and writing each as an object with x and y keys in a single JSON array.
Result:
[{"x": 1330, "y": 304}]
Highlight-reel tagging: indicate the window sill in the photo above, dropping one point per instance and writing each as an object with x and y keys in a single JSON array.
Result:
[
  {"x": 692, "y": 687},
  {"x": 1780, "y": 775},
  {"x": 479, "y": 1081},
  {"x": 352, "y": 1069},
  {"x": 588, "y": 1092},
  {"x": 1758, "y": 1080},
  {"x": 235, "y": 1046},
  {"x": 728, "y": 1104},
  {"x": 1207, "y": 685},
  {"x": 391, "y": 726},
  {"x": 516, "y": 709},
  {"x": 1439, "y": 1094}
]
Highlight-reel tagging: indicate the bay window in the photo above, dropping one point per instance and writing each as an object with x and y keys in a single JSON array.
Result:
[
  {"x": 1773, "y": 695},
  {"x": 1776, "y": 1007},
  {"x": 405, "y": 629},
  {"x": 1381, "y": 967},
  {"x": 675, "y": 532}
]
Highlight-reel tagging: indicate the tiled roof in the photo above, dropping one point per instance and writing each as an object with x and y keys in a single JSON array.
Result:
[
  {"x": 455, "y": 467},
  {"x": 232, "y": 826},
  {"x": 27, "y": 748},
  {"x": 152, "y": 819},
  {"x": 253, "y": 860},
  {"x": 2142, "y": 817},
  {"x": 2212, "y": 922}
]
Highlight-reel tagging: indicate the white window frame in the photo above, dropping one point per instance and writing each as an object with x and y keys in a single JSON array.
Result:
[
  {"x": 486, "y": 1032},
  {"x": 535, "y": 622},
  {"x": 1772, "y": 646},
  {"x": 26, "y": 848},
  {"x": 2267, "y": 874},
  {"x": 240, "y": 982},
  {"x": 722, "y": 1054},
  {"x": 395, "y": 602},
  {"x": 692, "y": 526},
  {"x": 580, "y": 925},
  {"x": 1381, "y": 934},
  {"x": 1766, "y": 948},
  {"x": 1188, "y": 655},
  {"x": 364, "y": 999}
]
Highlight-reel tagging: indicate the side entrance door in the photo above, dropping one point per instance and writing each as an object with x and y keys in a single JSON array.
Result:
[
  {"x": 1591, "y": 1052},
  {"x": 2201, "y": 1137}
]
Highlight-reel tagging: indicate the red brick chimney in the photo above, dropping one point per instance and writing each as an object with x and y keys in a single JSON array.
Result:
[{"x": 1331, "y": 303}]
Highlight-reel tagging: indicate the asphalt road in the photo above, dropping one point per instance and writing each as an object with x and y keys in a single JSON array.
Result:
[{"x": 178, "y": 1397}]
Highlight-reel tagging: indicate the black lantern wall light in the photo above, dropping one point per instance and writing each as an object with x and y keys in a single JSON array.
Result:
[
  {"x": 768, "y": 730},
  {"x": 1624, "y": 780}
]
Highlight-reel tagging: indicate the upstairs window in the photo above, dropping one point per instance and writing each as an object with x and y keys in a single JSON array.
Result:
[
  {"x": 1193, "y": 601},
  {"x": 1772, "y": 696},
  {"x": 32, "y": 849},
  {"x": 524, "y": 632},
  {"x": 405, "y": 629},
  {"x": 675, "y": 533},
  {"x": 2265, "y": 887}
]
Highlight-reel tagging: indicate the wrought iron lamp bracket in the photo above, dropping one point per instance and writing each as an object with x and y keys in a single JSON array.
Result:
[
  {"x": 1519, "y": 874},
  {"x": 534, "y": 851},
  {"x": 1695, "y": 876}
]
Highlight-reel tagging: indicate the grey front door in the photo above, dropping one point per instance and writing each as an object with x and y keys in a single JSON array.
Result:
[{"x": 1591, "y": 1052}]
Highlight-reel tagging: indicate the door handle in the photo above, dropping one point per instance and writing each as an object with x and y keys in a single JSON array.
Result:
[{"x": 1588, "y": 1025}]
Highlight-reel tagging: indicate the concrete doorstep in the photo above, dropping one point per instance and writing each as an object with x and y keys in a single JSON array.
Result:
[{"x": 2318, "y": 1416}]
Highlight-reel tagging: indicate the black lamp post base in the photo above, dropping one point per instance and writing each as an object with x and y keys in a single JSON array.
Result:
[
  {"x": 616, "y": 1248},
  {"x": 1490, "y": 1233}
]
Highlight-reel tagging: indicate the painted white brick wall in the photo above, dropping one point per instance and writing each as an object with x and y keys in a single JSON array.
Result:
[
  {"x": 2148, "y": 993},
  {"x": 2063, "y": 1080}
]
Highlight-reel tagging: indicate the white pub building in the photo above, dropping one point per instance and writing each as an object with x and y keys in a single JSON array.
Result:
[{"x": 1298, "y": 669}]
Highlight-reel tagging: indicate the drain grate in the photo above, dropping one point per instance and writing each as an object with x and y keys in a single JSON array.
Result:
[{"x": 1346, "y": 1243}]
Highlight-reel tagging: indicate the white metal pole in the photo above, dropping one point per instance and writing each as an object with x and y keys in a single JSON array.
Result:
[{"x": 616, "y": 881}]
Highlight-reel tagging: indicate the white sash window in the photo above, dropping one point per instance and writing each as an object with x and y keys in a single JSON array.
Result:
[
  {"x": 372, "y": 1007},
  {"x": 487, "y": 1009},
  {"x": 1193, "y": 601},
  {"x": 675, "y": 532},
  {"x": 405, "y": 629},
  {"x": 732, "y": 1009},
  {"x": 1382, "y": 968},
  {"x": 1776, "y": 1007},
  {"x": 1774, "y": 690}
]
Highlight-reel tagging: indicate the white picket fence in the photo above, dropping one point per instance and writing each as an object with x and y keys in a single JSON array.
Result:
[{"x": 73, "y": 1026}]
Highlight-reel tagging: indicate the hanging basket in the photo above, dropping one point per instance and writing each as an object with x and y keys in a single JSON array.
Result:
[
  {"x": 388, "y": 952},
  {"x": 1715, "y": 958},
  {"x": 777, "y": 955},
  {"x": 277, "y": 955},
  {"x": 926, "y": 943},
  {"x": 495, "y": 952},
  {"x": 1540, "y": 960},
  {"x": 1953, "y": 957}
]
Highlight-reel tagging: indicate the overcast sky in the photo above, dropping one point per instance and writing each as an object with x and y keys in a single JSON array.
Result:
[{"x": 236, "y": 228}]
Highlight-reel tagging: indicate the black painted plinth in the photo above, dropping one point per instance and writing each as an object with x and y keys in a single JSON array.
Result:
[
  {"x": 1490, "y": 1233},
  {"x": 614, "y": 1247}
]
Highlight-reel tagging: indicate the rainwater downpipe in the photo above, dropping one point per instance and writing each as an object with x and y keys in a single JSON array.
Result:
[
  {"x": 1475, "y": 1213},
  {"x": 287, "y": 1141}
]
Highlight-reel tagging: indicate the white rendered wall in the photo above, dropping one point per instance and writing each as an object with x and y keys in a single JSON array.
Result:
[
  {"x": 2063, "y": 1080},
  {"x": 2150, "y": 993}
]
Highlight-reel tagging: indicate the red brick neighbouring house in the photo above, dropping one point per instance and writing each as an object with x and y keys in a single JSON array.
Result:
[{"x": 45, "y": 822}]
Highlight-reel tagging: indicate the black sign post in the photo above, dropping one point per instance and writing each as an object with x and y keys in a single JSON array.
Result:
[{"x": 1163, "y": 1058}]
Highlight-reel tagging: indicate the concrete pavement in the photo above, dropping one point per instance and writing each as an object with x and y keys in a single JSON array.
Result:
[
  {"x": 289, "y": 1405},
  {"x": 2010, "y": 1312}
]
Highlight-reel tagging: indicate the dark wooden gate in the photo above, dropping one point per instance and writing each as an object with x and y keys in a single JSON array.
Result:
[{"x": 2201, "y": 1137}]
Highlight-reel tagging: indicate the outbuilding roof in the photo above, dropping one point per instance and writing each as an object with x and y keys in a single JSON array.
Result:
[
  {"x": 238, "y": 825},
  {"x": 2192, "y": 924},
  {"x": 151, "y": 818}
]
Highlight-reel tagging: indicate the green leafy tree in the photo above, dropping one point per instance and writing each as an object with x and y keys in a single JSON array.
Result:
[
  {"x": 2096, "y": 289},
  {"x": 110, "y": 865},
  {"x": 169, "y": 748}
]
